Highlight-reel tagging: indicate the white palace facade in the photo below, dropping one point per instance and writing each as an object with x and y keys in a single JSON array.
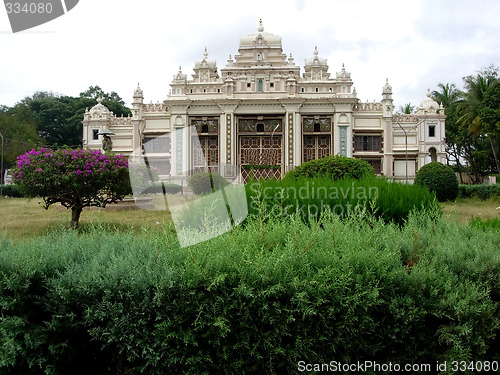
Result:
[{"x": 260, "y": 113}]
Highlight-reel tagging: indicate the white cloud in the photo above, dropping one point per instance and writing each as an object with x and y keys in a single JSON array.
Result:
[{"x": 115, "y": 44}]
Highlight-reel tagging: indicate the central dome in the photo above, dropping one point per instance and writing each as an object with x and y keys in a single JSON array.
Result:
[{"x": 260, "y": 38}]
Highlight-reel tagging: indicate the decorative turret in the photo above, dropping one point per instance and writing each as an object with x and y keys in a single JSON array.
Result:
[
  {"x": 387, "y": 102},
  {"x": 180, "y": 77},
  {"x": 428, "y": 106},
  {"x": 316, "y": 68},
  {"x": 138, "y": 95},
  {"x": 205, "y": 70},
  {"x": 99, "y": 111},
  {"x": 343, "y": 75}
]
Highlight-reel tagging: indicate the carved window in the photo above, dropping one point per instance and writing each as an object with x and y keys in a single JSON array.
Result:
[
  {"x": 367, "y": 143},
  {"x": 252, "y": 125},
  {"x": 162, "y": 166},
  {"x": 95, "y": 134},
  {"x": 158, "y": 144},
  {"x": 310, "y": 125},
  {"x": 260, "y": 83},
  {"x": 432, "y": 130},
  {"x": 205, "y": 125}
]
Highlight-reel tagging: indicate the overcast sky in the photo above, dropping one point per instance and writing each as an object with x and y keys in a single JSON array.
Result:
[{"x": 116, "y": 44}]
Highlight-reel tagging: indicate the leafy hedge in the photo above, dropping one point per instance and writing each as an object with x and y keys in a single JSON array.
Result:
[
  {"x": 11, "y": 191},
  {"x": 480, "y": 191},
  {"x": 440, "y": 179},
  {"x": 310, "y": 197},
  {"x": 254, "y": 301},
  {"x": 205, "y": 183},
  {"x": 333, "y": 167},
  {"x": 160, "y": 187}
]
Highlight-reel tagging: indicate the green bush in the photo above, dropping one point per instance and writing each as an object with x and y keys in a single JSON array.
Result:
[
  {"x": 486, "y": 224},
  {"x": 254, "y": 301},
  {"x": 311, "y": 197},
  {"x": 333, "y": 167},
  {"x": 205, "y": 183},
  {"x": 480, "y": 191},
  {"x": 440, "y": 179},
  {"x": 11, "y": 191},
  {"x": 161, "y": 187}
]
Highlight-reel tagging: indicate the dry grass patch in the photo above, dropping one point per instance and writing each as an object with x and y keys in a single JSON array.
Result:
[
  {"x": 464, "y": 210},
  {"x": 23, "y": 218}
]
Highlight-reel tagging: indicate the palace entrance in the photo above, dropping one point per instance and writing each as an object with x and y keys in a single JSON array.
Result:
[
  {"x": 204, "y": 144},
  {"x": 260, "y": 147}
]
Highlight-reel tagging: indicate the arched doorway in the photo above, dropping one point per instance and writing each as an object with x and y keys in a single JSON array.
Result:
[{"x": 433, "y": 154}]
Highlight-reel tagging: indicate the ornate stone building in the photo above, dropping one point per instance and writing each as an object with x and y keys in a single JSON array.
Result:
[{"x": 259, "y": 112}]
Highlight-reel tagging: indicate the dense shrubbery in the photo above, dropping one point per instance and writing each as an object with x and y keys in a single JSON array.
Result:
[
  {"x": 440, "y": 179},
  {"x": 11, "y": 191},
  {"x": 204, "y": 183},
  {"x": 160, "y": 187},
  {"x": 254, "y": 301},
  {"x": 332, "y": 167},
  {"x": 311, "y": 197},
  {"x": 486, "y": 224},
  {"x": 480, "y": 191}
]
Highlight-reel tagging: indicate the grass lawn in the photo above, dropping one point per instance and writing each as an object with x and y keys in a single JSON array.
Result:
[
  {"x": 23, "y": 218},
  {"x": 464, "y": 210}
]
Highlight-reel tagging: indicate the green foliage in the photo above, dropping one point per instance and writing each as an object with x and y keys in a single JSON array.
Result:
[
  {"x": 472, "y": 130},
  {"x": 486, "y": 224},
  {"x": 440, "y": 179},
  {"x": 312, "y": 197},
  {"x": 19, "y": 136},
  {"x": 159, "y": 187},
  {"x": 480, "y": 191},
  {"x": 255, "y": 301},
  {"x": 333, "y": 167},
  {"x": 58, "y": 118},
  {"x": 206, "y": 182},
  {"x": 142, "y": 178},
  {"x": 74, "y": 178},
  {"x": 11, "y": 191}
]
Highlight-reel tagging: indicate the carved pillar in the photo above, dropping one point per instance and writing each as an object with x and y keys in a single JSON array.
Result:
[{"x": 228, "y": 138}]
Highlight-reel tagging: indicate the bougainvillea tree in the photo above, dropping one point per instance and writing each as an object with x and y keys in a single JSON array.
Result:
[{"x": 74, "y": 178}]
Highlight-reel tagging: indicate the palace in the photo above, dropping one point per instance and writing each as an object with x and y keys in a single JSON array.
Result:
[{"x": 261, "y": 114}]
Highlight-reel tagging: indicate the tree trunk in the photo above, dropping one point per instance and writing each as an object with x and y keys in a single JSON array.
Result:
[
  {"x": 493, "y": 148},
  {"x": 75, "y": 216}
]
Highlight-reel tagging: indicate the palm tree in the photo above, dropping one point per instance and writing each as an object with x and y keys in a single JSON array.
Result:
[
  {"x": 456, "y": 145},
  {"x": 448, "y": 95},
  {"x": 476, "y": 88},
  {"x": 406, "y": 109}
]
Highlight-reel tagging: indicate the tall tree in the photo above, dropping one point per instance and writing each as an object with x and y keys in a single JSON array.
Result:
[
  {"x": 19, "y": 136},
  {"x": 449, "y": 96},
  {"x": 476, "y": 88},
  {"x": 489, "y": 112},
  {"x": 58, "y": 117}
]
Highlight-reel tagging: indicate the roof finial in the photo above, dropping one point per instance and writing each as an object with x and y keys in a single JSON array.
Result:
[{"x": 261, "y": 27}]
